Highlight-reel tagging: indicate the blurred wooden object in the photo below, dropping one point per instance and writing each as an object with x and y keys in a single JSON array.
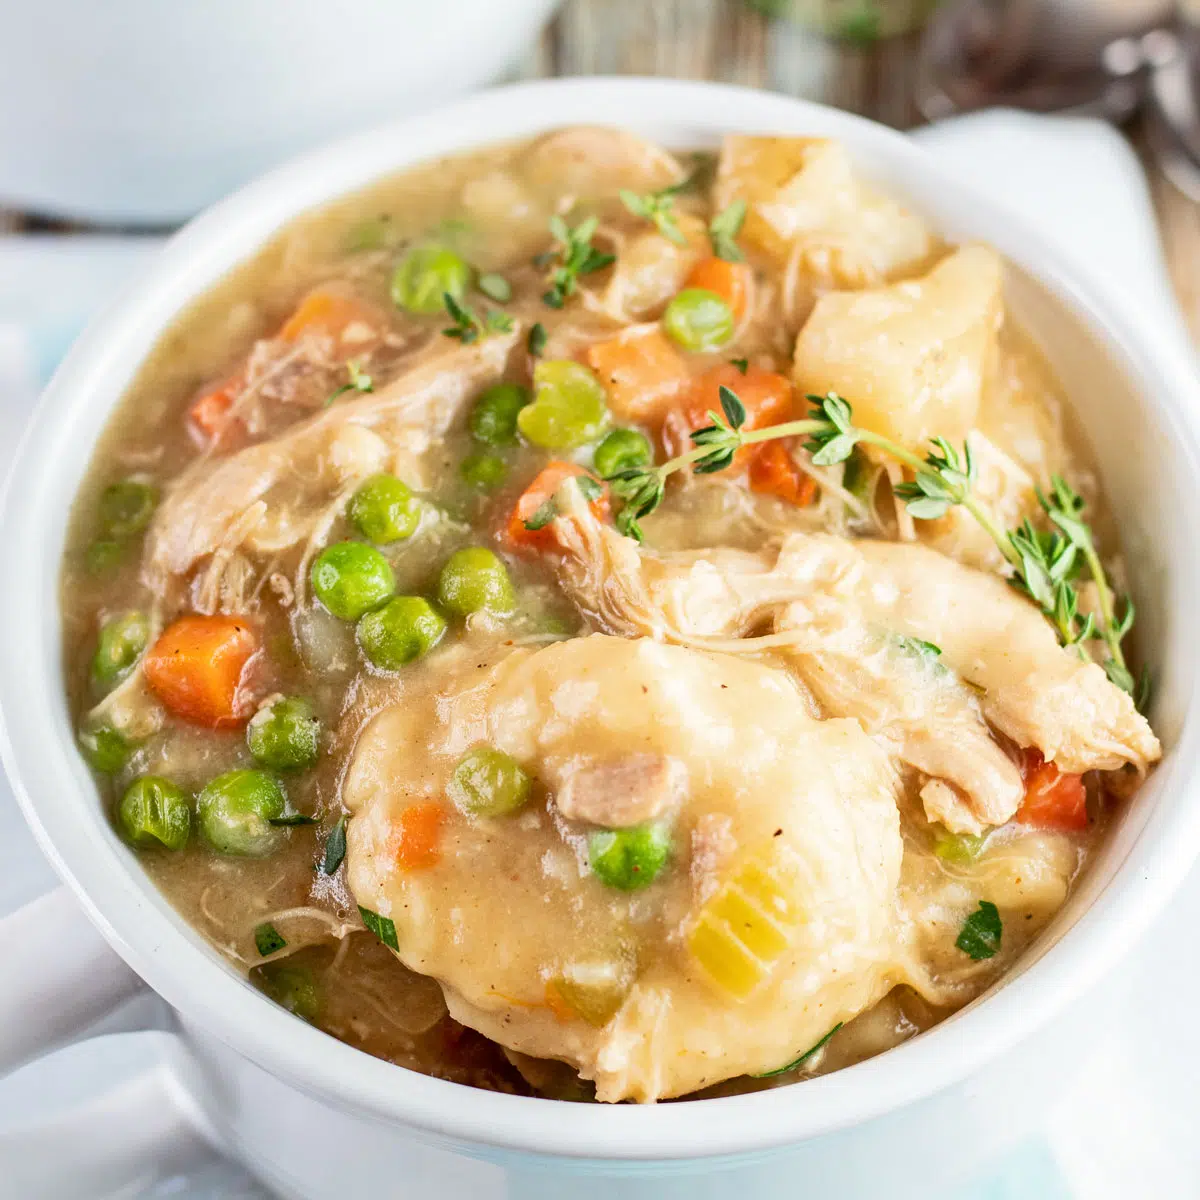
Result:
[{"x": 728, "y": 40}]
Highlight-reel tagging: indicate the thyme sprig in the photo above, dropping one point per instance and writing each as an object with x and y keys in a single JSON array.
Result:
[
  {"x": 724, "y": 228},
  {"x": 360, "y": 381},
  {"x": 659, "y": 209},
  {"x": 574, "y": 256},
  {"x": 1045, "y": 564},
  {"x": 469, "y": 327}
]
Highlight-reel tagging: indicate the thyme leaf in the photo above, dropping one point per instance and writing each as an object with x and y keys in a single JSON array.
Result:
[
  {"x": 574, "y": 255},
  {"x": 360, "y": 381},
  {"x": 981, "y": 933},
  {"x": 335, "y": 847},
  {"x": 803, "y": 1057},
  {"x": 267, "y": 939},
  {"x": 659, "y": 209},
  {"x": 724, "y": 228},
  {"x": 468, "y": 327}
]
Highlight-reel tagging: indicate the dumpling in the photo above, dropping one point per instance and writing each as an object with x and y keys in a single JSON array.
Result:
[
  {"x": 589, "y": 161},
  {"x": 911, "y": 358},
  {"x": 804, "y": 198},
  {"x": 774, "y": 919},
  {"x": 650, "y": 269}
]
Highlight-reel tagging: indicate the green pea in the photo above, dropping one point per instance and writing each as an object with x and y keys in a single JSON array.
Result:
[
  {"x": 285, "y": 735},
  {"x": 384, "y": 510},
  {"x": 292, "y": 987},
  {"x": 484, "y": 471},
  {"x": 699, "y": 320},
  {"x": 105, "y": 749},
  {"x": 494, "y": 418},
  {"x": 400, "y": 632},
  {"x": 121, "y": 643},
  {"x": 104, "y": 556},
  {"x": 155, "y": 812},
  {"x": 488, "y": 783},
  {"x": 236, "y": 810},
  {"x": 126, "y": 508},
  {"x": 569, "y": 406},
  {"x": 475, "y": 579},
  {"x": 629, "y": 859},
  {"x": 351, "y": 579},
  {"x": 425, "y": 274},
  {"x": 621, "y": 450}
]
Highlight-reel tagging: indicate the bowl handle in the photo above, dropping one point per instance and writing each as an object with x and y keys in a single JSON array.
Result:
[
  {"x": 61, "y": 980},
  {"x": 63, "y": 984}
]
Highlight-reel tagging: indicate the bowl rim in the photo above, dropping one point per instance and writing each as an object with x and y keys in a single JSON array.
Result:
[{"x": 58, "y": 796}]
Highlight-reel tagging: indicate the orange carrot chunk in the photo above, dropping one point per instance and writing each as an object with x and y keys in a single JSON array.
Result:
[
  {"x": 195, "y": 668},
  {"x": 538, "y": 493},
  {"x": 209, "y": 420},
  {"x": 730, "y": 281},
  {"x": 773, "y": 472},
  {"x": 332, "y": 313},
  {"x": 417, "y": 836},
  {"x": 1053, "y": 800},
  {"x": 642, "y": 371}
]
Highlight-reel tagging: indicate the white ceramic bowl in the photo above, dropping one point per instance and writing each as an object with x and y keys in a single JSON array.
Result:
[
  {"x": 264, "y": 1076},
  {"x": 144, "y": 111}
]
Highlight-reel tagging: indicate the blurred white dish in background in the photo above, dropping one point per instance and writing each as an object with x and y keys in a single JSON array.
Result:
[{"x": 136, "y": 111}]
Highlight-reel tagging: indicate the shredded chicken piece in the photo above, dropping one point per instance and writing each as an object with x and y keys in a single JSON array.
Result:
[
  {"x": 621, "y": 792},
  {"x": 927, "y": 653},
  {"x": 273, "y": 495}
]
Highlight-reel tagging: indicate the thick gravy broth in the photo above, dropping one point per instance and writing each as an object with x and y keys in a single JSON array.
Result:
[{"x": 400, "y": 713}]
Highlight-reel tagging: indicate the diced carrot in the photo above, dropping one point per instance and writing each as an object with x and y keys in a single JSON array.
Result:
[
  {"x": 767, "y": 398},
  {"x": 417, "y": 838},
  {"x": 773, "y": 471},
  {"x": 642, "y": 371},
  {"x": 557, "y": 1005},
  {"x": 196, "y": 666},
  {"x": 730, "y": 281},
  {"x": 209, "y": 421},
  {"x": 543, "y": 488},
  {"x": 332, "y": 313},
  {"x": 1053, "y": 800}
]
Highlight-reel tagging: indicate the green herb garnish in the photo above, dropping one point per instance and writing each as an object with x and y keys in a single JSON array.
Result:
[
  {"x": 742, "y": 364},
  {"x": 383, "y": 928},
  {"x": 468, "y": 327},
  {"x": 545, "y": 512},
  {"x": 1044, "y": 564},
  {"x": 542, "y": 515},
  {"x": 659, "y": 209},
  {"x": 803, "y": 1057},
  {"x": 724, "y": 228},
  {"x": 359, "y": 382},
  {"x": 292, "y": 819},
  {"x": 536, "y": 342},
  {"x": 575, "y": 256},
  {"x": 268, "y": 940},
  {"x": 495, "y": 287},
  {"x": 981, "y": 932},
  {"x": 335, "y": 847},
  {"x": 917, "y": 646}
]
